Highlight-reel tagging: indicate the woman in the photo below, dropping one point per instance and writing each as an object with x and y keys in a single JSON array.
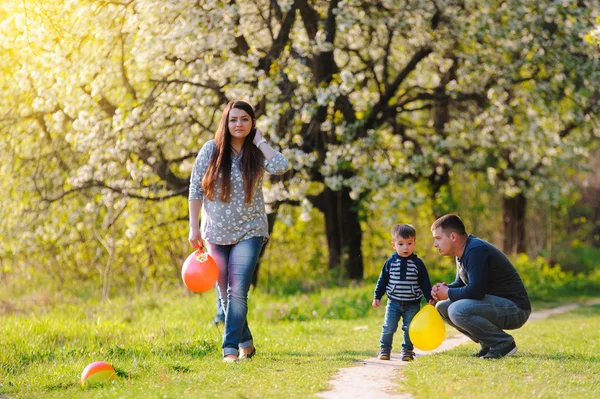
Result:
[{"x": 226, "y": 184}]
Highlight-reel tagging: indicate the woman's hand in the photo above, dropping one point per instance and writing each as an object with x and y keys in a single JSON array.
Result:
[
  {"x": 257, "y": 137},
  {"x": 195, "y": 239}
]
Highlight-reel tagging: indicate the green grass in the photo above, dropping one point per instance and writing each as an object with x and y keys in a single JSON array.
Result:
[
  {"x": 164, "y": 347},
  {"x": 558, "y": 357}
]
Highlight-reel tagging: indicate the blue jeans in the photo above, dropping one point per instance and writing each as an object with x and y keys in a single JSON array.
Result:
[
  {"x": 393, "y": 312},
  {"x": 483, "y": 320},
  {"x": 220, "y": 315},
  {"x": 236, "y": 264}
]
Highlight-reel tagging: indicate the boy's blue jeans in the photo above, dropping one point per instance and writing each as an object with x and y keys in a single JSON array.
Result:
[
  {"x": 483, "y": 320},
  {"x": 236, "y": 264},
  {"x": 393, "y": 312}
]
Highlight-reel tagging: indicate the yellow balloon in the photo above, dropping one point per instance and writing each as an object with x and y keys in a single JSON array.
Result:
[{"x": 427, "y": 329}]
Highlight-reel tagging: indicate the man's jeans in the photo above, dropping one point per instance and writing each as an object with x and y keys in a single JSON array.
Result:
[
  {"x": 236, "y": 265},
  {"x": 484, "y": 320},
  {"x": 393, "y": 312}
]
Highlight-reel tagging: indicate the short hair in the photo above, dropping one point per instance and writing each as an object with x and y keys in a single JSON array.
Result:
[
  {"x": 404, "y": 231},
  {"x": 450, "y": 223}
]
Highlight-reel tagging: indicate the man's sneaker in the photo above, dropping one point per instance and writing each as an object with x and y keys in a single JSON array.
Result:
[
  {"x": 497, "y": 354},
  {"x": 383, "y": 354},
  {"x": 482, "y": 352},
  {"x": 408, "y": 356}
]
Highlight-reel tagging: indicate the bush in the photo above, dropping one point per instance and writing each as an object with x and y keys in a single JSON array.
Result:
[
  {"x": 577, "y": 258},
  {"x": 544, "y": 281}
]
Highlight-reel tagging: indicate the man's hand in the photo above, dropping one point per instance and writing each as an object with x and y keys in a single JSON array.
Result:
[
  {"x": 435, "y": 291},
  {"x": 440, "y": 291},
  {"x": 376, "y": 303}
]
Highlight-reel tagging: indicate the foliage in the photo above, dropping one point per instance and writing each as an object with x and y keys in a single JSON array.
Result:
[
  {"x": 593, "y": 36},
  {"x": 105, "y": 105},
  {"x": 544, "y": 281},
  {"x": 577, "y": 258}
]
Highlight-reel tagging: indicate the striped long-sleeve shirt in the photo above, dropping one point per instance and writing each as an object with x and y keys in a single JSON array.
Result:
[{"x": 404, "y": 279}]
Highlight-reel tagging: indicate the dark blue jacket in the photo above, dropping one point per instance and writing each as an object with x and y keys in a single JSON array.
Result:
[
  {"x": 484, "y": 269},
  {"x": 404, "y": 279}
]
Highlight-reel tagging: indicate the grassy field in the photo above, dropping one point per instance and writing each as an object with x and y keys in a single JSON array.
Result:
[
  {"x": 558, "y": 357},
  {"x": 163, "y": 346}
]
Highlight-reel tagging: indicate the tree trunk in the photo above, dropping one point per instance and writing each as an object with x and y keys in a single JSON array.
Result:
[
  {"x": 440, "y": 179},
  {"x": 344, "y": 234},
  {"x": 444, "y": 201},
  {"x": 514, "y": 224}
]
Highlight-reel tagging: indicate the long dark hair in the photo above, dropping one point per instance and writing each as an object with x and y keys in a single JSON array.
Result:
[{"x": 220, "y": 161}]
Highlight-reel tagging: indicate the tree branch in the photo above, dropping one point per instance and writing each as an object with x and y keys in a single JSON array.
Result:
[
  {"x": 280, "y": 42},
  {"x": 162, "y": 168},
  {"x": 100, "y": 184},
  {"x": 372, "y": 120},
  {"x": 211, "y": 85},
  {"x": 124, "y": 76}
]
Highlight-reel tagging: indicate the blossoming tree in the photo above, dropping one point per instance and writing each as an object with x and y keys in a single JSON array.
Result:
[{"x": 107, "y": 103}]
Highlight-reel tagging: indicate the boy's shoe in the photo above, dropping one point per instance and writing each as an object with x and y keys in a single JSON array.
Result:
[
  {"x": 383, "y": 354},
  {"x": 497, "y": 354},
  {"x": 482, "y": 352},
  {"x": 408, "y": 356}
]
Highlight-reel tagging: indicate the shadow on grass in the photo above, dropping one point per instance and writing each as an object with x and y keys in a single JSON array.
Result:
[
  {"x": 191, "y": 348},
  {"x": 178, "y": 368},
  {"x": 559, "y": 357},
  {"x": 523, "y": 354},
  {"x": 347, "y": 355},
  {"x": 328, "y": 354},
  {"x": 60, "y": 386},
  {"x": 363, "y": 353},
  {"x": 588, "y": 310}
]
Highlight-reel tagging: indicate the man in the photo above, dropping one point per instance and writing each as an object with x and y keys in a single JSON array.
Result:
[{"x": 488, "y": 295}]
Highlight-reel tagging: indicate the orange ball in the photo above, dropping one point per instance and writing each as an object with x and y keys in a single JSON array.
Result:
[
  {"x": 199, "y": 272},
  {"x": 98, "y": 372}
]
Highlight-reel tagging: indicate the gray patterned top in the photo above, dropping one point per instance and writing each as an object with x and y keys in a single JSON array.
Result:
[{"x": 228, "y": 223}]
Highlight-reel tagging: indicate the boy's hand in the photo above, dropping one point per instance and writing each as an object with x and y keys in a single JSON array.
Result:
[
  {"x": 375, "y": 303},
  {"x": 431, "y": 302}
]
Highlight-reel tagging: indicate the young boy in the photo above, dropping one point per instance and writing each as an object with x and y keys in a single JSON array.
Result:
[{"x": 405, "y": 280}]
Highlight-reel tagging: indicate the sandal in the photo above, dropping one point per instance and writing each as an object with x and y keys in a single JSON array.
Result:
[
  {"x": 249, "y": 355},
  {"x": 230, "y": 359}
]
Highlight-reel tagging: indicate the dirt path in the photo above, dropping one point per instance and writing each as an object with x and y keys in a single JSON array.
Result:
[{"x": 374, "y": 378}]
